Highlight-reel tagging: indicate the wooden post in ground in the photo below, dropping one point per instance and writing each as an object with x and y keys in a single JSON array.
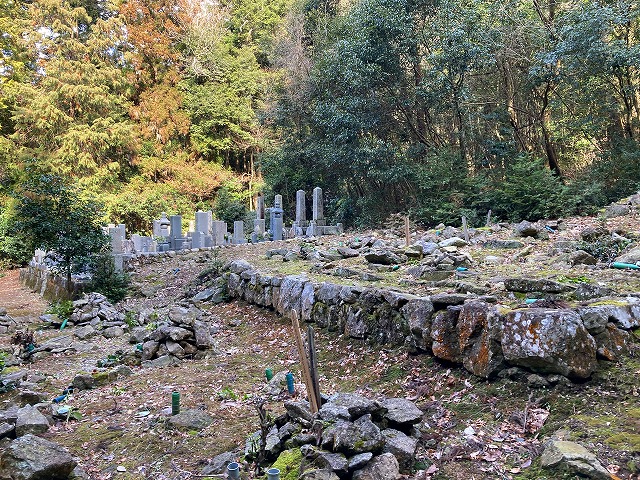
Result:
[
  {"x": 304, "y": 363},
  {"x": 313, "y": 364},
  {"x": 488, "y": 218},
  {"x": 465, "y": 229},
  {"x": 407, "y": 231}
]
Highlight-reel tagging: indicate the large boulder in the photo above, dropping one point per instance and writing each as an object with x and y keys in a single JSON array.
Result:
[
  {"x": 33, "y": 458},
  {"x": 549, "y": 341}
]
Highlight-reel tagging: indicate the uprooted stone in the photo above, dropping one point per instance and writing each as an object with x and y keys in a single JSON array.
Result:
[
  {"x": 550, "y": 341},
  {"x": 526, "y": 229},
  {"x": 573, "y": 458},
  {"x": 33, "y": 458}
]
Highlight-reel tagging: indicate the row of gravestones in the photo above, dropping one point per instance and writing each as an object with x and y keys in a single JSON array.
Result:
[{"x": 205, "y": 232}]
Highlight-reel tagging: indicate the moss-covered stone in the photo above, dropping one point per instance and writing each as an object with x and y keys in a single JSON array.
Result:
[{"x": 289, "y": 463}]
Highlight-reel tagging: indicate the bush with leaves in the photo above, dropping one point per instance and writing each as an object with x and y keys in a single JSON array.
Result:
[
  {"x": 106, "y": 280},
  {"x": 55, "y": 216}
]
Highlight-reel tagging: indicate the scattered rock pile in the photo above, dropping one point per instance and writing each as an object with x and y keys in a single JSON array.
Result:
[
  {"x": 184, "y": 335},
  {"x": 94, "y": 315},
  {"x": 23, "y": 454},
  {"x": 7, "y": 323},
  {"x": 350, "y": 437}
]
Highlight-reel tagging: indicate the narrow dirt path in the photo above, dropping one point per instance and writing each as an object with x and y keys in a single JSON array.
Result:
[{"x": 21, "y": 303}]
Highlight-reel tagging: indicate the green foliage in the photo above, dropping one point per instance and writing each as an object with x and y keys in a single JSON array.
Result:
[
  {"x": 228, "y": 206},
  {"x": 605, "y": 248},
  {"x": 63, "y": 309},
  {"x": 3, "y": 357},
  {"x": 55, "y": 217},
  {"x": 106, "y": 280}
]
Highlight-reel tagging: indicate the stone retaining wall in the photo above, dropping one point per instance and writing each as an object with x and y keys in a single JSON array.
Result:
[
  {"x": 475, "y": 332},
  {"x": 50, "y": 286}
]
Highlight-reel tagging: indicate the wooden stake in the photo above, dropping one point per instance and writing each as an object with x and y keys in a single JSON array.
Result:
[
  {"x": 304, "y": 363},
  {"x": 465, "y": 229},
  {"x": 488, "y": 218},
  {"x": 313, "y": 364},
  {"x": 407, "y": 231}
]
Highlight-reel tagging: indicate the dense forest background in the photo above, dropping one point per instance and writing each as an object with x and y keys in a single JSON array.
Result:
[{"x": 436, "y": 108}]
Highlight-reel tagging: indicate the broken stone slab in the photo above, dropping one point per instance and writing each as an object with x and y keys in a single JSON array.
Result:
[
  {"x": 588, "y": 291},
  {"x": 632, "y": 256},
  {"x": 503, "y": 244},
  {"x": 527, "y": 285},
  {"x": 549, "y": 341},
  {"x": 85, "y": 332},
  {"x": 190, "y": 419},
  {"x": 573, "y": 458},
  {"x": 382, "y": 467},
  {"x": 30, "y": 420},
  {"x": 6, "y": 429},
  {"x": 453, "y": 242},
  {"x": 33, "y": 458},
  {"x": 384, "y": 257}
]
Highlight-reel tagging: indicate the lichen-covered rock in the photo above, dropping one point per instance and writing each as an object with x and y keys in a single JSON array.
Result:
[
  {"x": 402, "y": 447},
  {"x": 360, "y": 436},
  {"x": 382, "y": 467},
  {"x": 624, "y": 314},
  {"x": 479, "y": 332},
  {"x": 290, "y": 297},
  {"x": 30, "y": 420},
  {"x": 528, "y": 285},
  {"x": 612, "y": 343},
  {"x": 33, "y": 458},
  {"x": 445, "y": 335},
  {"x": 401, "y": 413},
  {"x": 418, "y": 313},
  {"x": 549, "y": 341},
  {"x": 573, "y": 458}
]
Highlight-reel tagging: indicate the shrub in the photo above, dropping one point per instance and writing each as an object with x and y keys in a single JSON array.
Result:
[{"x": 113, "y": 285}]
